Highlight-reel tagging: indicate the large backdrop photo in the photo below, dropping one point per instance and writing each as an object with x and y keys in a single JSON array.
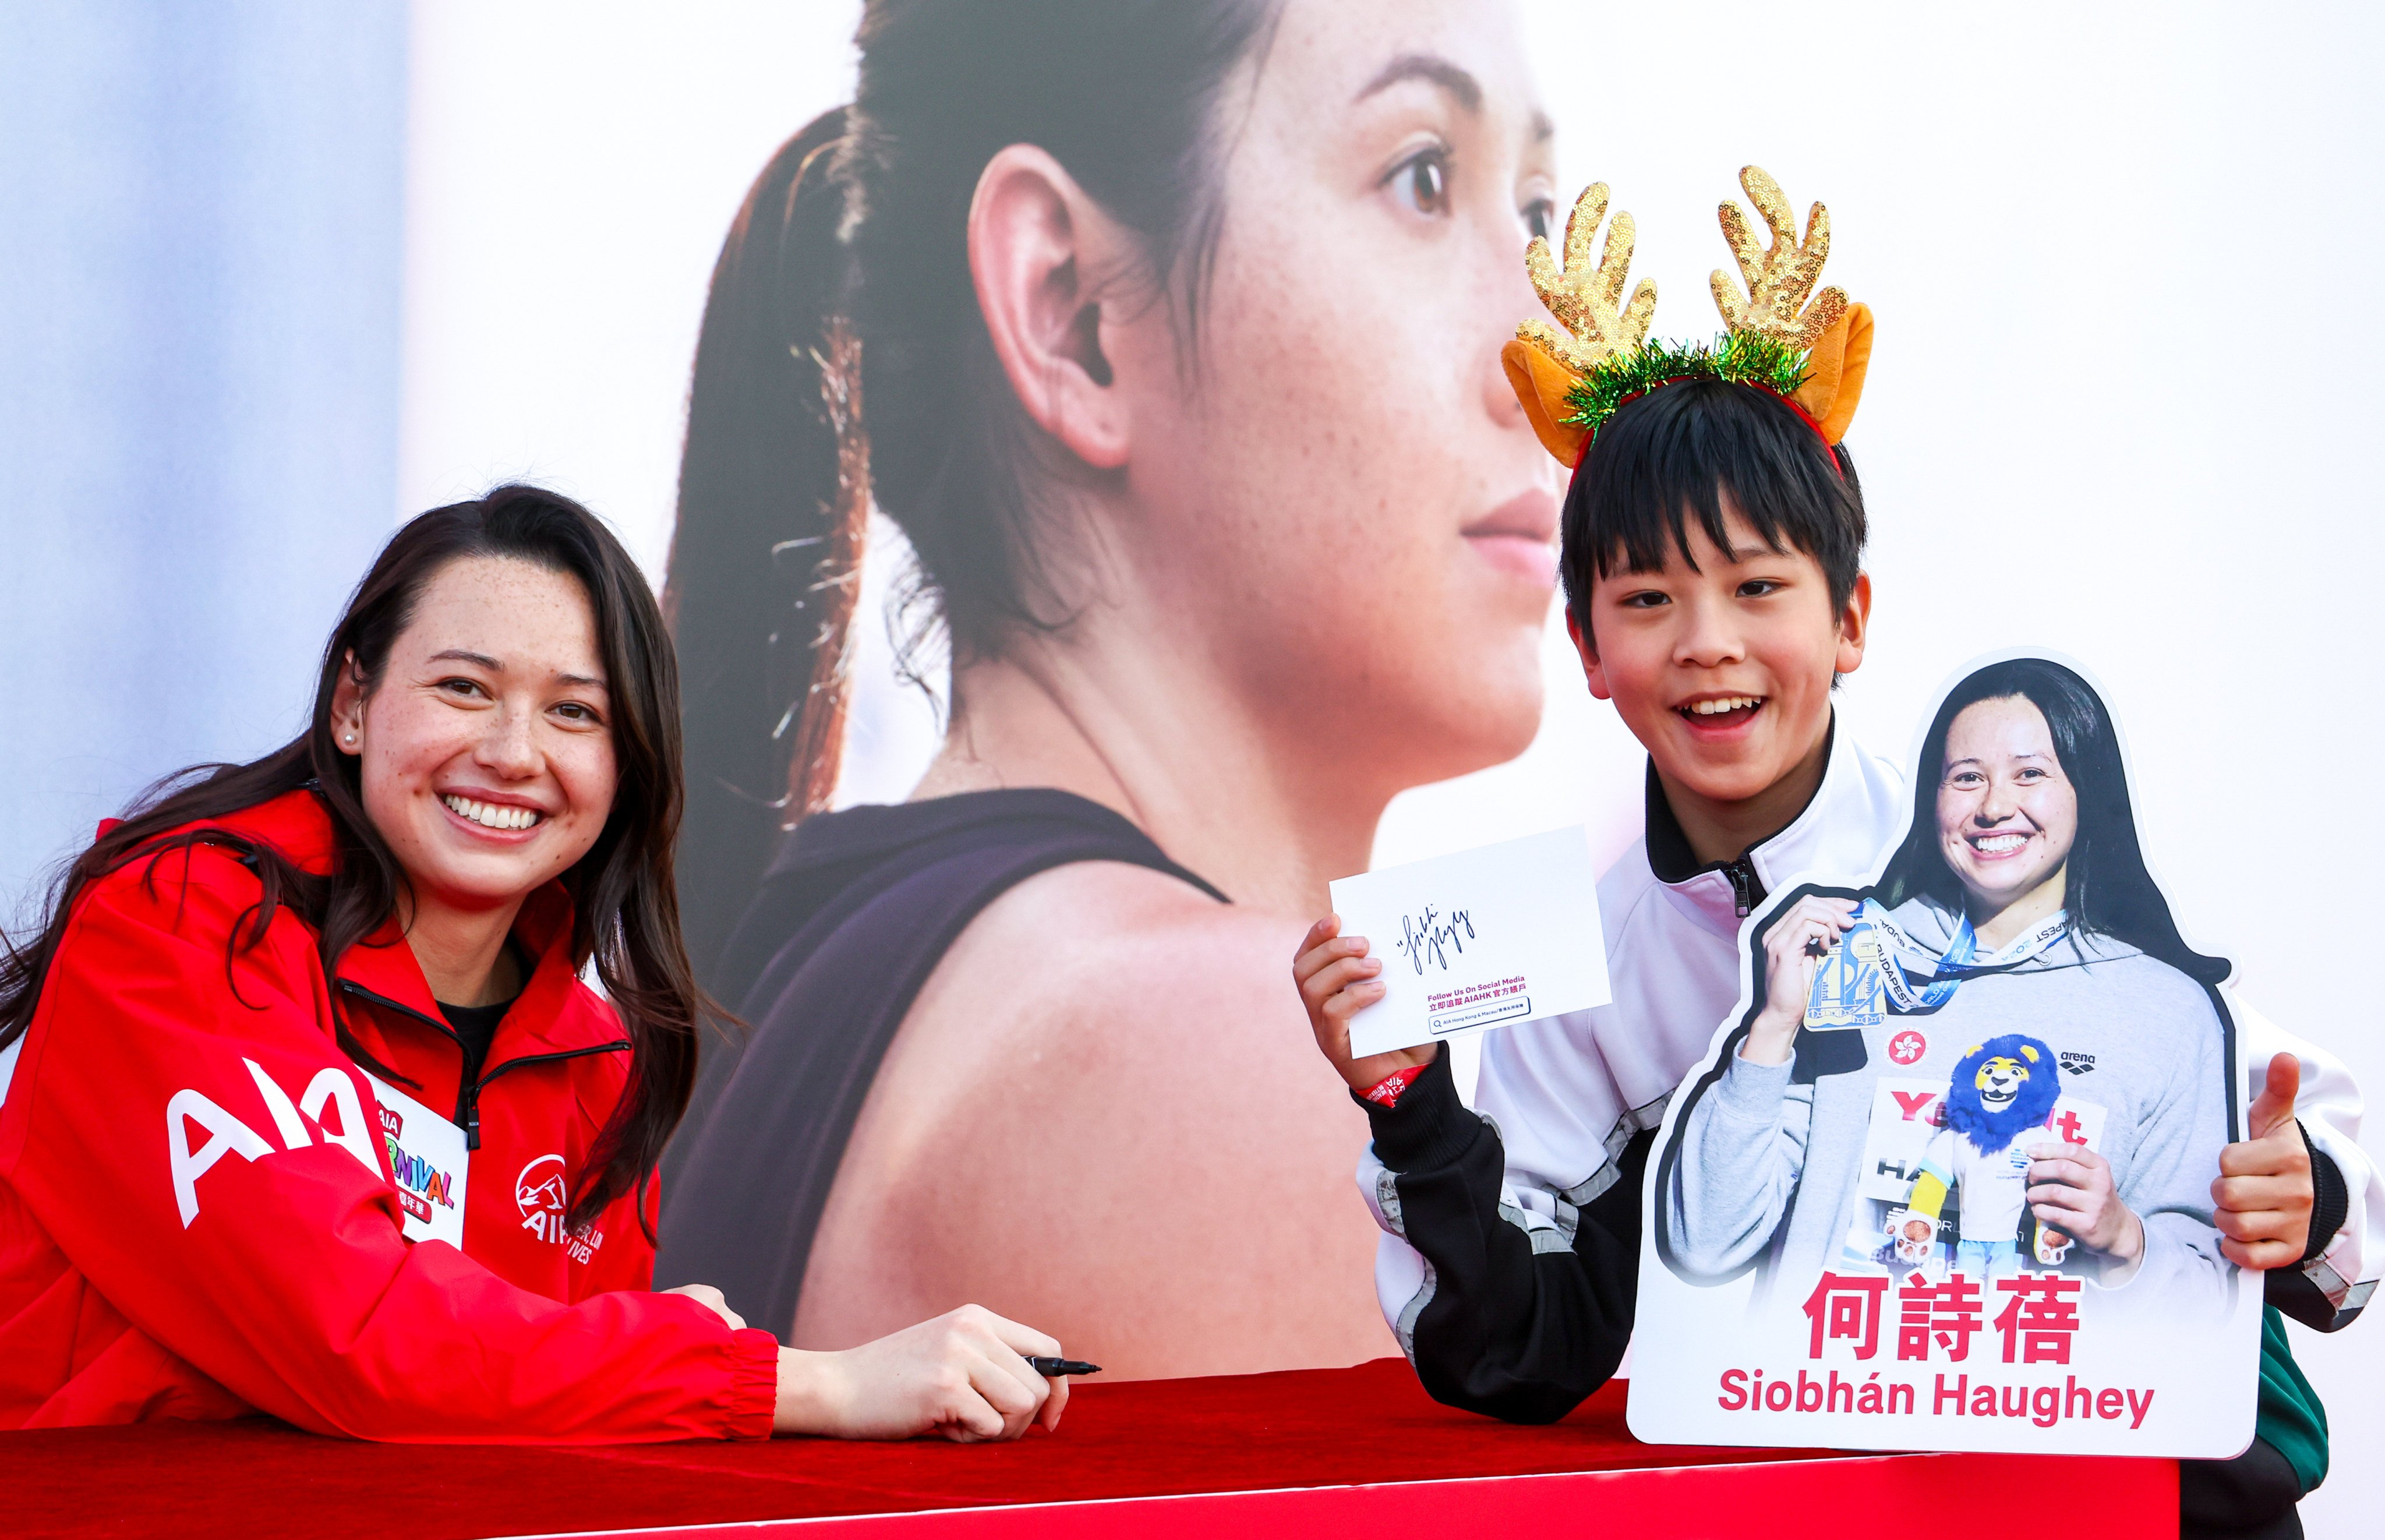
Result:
[{"x": 1080, "y": 446}]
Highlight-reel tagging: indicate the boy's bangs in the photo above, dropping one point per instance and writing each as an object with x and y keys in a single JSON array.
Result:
[{"x": 1686, "y": 452}]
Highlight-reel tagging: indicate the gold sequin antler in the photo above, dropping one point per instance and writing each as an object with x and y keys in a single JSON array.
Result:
[
  {"x": 1542, "y": 363},
  {"x": 1778, "y": 280},
  {"x": 1833, "y": 333},
  {"x": 1588, "y": 298}
]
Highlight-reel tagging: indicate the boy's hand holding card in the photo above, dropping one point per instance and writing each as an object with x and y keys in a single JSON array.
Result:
[{"x": 1483, "y": 938}]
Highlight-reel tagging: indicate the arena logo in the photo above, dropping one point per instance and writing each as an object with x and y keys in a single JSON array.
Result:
[{"x": 545, "y": 1205}]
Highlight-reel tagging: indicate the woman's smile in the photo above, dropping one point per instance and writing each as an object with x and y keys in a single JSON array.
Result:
[
  {"x": 1999, "y": 845},
  {"x": 492, "y": 816}
]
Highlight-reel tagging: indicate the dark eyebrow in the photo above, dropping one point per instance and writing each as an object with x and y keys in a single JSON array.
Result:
[
  {"x": 1461, "y": 85},
  {"x": 457, "y": 655}
]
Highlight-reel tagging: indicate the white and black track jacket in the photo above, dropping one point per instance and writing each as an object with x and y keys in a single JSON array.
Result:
[{"x": 1508, "y": 1263}]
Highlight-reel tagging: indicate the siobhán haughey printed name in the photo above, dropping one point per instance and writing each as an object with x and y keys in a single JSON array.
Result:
[{"x": 2038, "y": 1323}]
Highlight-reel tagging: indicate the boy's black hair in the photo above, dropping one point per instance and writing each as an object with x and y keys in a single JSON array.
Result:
[{"x": 1673, "y": 453}]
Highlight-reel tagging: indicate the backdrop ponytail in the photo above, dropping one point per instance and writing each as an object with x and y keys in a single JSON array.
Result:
[{"x": 773, "y": 513}]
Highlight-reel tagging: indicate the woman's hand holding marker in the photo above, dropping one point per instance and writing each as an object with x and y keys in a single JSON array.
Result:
[
  {"x": 1792, "y": 949},
  {"x": 1337, "y": 980},
  {"x": 964, "y": 1374}
]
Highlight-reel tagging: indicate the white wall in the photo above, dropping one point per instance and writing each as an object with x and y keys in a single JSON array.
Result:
[
  {"x": 199, "y": 278},
  {"x": 2127, "y": 364}
]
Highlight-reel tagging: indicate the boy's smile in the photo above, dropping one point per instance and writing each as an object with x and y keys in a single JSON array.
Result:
[
  {"x": 1722, "y": 664},
  {"x": 1716, "y": 715}
]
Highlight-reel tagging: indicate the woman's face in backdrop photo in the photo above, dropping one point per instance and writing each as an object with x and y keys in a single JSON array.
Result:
[
  {"x": 2007, "y": 812},
  {"x": 485, "y": 749},
  {"x": 1346, "y": 500}
]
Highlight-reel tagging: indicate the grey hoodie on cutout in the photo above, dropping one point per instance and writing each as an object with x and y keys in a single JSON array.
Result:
[{"x": 1770, "y": 1156}]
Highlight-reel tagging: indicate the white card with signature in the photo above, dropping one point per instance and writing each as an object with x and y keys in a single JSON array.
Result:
[{"x": 1484, "y": 938}]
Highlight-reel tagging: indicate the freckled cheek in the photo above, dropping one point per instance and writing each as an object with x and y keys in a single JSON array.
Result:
[
  {"x": 589, "y": 776},
  {"x": 406, "y": 744},
  {"x": 2056, "y": 812},
  {"x": 1343, "y": 463}
]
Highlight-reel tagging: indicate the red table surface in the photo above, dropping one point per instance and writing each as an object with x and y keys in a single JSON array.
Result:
[{"x": 1319, "y": 1428}]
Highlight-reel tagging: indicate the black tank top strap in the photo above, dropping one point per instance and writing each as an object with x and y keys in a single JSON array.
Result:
[{"x": 849, "y": 922}]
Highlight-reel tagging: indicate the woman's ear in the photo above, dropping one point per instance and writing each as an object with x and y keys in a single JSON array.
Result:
[
  {"x": 348, "y": 708},
  {"x": 1040, "y": 252},
  {"x": 1855, "y": 622}
]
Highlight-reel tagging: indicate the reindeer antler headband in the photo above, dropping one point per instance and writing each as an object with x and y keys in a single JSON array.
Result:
[{"x": 1813, "y": 355}]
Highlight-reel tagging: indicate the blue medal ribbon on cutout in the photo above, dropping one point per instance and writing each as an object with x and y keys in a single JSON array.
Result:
[{"x": 1954, "y": 965}]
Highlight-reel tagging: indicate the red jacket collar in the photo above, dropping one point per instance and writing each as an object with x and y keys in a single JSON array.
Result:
[
  {"x": 296, "y": 823},
  {"x": 554, "y": 1011}
]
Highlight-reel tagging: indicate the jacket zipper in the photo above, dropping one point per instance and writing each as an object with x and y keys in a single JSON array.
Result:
[
  {"x": 467, "y": 1092},
  {"x": 1745, "y": 885},
  {"x": 468, "y": 1101}
]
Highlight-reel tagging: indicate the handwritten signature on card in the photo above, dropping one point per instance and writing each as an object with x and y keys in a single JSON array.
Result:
[{"x": 1434, "y": 936}]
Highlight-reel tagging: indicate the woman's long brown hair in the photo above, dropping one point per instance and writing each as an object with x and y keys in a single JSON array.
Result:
[{"x": 625, "y": 902}]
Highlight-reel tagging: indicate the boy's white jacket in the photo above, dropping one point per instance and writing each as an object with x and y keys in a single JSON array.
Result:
[{"x": 1568, "y": 1093}]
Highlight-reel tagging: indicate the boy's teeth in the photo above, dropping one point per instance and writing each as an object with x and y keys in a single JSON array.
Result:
[
  {"x": 489, "y": 814},
  {"x": 1728, "y": 703}
]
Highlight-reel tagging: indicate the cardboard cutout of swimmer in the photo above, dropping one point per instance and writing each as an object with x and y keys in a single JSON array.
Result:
[{"x": 1944, "y": 1180}]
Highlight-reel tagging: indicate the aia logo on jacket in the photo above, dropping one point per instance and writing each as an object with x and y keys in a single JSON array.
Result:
[{"x": 544, "y": 1202}]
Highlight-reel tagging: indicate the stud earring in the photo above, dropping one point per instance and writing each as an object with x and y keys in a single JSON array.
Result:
[{"x": 351, "y": 738}]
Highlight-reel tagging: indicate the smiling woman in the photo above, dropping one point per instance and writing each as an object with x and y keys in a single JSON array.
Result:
[{"x": 395, "y": 912}]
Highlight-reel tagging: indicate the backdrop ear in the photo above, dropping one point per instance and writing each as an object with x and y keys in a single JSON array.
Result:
[
  {"x": 1037, "y": 244},
  {"x": 1541, "y": 382},
  {"x": 1835, "y": 369}
]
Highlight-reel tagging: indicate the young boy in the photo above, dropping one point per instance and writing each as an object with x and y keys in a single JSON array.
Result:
[{"x": 1712, "y": 550}]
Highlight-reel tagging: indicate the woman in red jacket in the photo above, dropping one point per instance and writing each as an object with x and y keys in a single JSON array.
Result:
[{"x": 307, "y": 1111}]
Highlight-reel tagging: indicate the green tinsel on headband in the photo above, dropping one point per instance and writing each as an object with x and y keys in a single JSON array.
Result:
[{"x": 1737, "y": 358}]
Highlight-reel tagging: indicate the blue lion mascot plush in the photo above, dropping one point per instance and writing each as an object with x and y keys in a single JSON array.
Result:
[
  {"x": 2001, "y": 1092},
  {"x": 2005, "y": 1085}
]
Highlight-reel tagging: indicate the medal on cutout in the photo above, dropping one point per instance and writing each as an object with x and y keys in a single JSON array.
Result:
[{"x": 1847, "y": 984}]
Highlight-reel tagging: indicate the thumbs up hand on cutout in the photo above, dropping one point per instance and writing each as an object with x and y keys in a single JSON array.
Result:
[{"x": 2261, "y": 1200}]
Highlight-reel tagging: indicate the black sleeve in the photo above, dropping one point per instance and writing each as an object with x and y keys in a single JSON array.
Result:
[
  {"x": 2290, "y": 1289},
  {"x": 1509, "y": 1328}
]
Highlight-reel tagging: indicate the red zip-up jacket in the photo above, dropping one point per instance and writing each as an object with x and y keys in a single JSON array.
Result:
[{"x": 197, "y": 1215}]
